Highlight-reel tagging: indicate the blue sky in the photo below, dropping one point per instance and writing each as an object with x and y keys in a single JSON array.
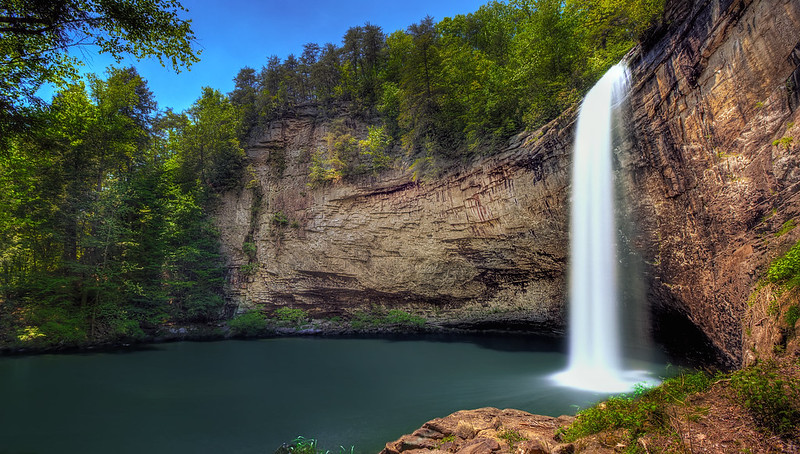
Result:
[{"x": 237, "y": 33}]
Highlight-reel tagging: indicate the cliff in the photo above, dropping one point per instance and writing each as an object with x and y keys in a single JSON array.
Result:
[
  {"x": 712, "y": 161},
  {"x": 708, "y": 173},
  {"x": 483, "y": 245}
]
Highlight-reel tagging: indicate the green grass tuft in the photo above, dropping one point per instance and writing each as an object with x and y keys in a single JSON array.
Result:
[
  {"x": 512, "y": 437},
  {"x": 638, "y": 413},
  {"x": 787, "y": 227}
]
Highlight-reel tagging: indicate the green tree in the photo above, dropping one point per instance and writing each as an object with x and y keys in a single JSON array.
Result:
[
  {"x": 326, "y": 75},
  {"x": 244, "y": 97},
  {"x": 210, "y": 153},
  {"x": 101, "y": 238},
  {"x": 34, "y": 37}
]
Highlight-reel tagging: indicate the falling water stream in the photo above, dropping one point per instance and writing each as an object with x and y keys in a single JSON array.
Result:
[{"x": 595, "y": 335}]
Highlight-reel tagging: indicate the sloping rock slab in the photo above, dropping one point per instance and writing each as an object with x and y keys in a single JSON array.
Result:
[{"x": 485, "y": 431}]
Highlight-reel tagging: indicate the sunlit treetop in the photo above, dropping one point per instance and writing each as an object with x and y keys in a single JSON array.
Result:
[{"x": 35, "y": 36}]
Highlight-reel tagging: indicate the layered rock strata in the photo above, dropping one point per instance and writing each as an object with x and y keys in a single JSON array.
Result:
[{"x": 484, "y": 242}]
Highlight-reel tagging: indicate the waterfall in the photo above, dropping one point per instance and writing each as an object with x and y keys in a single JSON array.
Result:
[{"x": 595, "y": 335}]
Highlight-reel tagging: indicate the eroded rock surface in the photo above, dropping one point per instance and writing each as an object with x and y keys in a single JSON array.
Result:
[
  {"x": 485, "y": 431},
  {"x": 713, "y": 168},
  {"x": 484, "y": 242}
]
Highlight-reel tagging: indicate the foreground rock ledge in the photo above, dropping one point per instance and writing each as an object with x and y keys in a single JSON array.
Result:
[{"x": 485, "y": 431}]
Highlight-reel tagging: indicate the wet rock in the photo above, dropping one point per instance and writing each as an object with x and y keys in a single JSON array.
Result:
[{"x": 707, "y": 188}]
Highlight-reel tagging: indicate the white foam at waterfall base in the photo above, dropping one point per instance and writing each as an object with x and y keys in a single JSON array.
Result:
[{"x": 595, "y": 345}]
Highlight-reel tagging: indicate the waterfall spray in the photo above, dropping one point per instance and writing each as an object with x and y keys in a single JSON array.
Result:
[{"x": 595, "y": 345}]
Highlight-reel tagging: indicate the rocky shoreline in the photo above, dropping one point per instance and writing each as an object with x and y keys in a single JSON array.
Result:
[
  {"x": 486, "y": 431},
  {"x": 220, "y": 331}
]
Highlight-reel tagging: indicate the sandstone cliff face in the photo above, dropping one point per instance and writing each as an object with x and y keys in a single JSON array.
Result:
[
  {"x": 482, "y": 243},
  {"x": 704, "y": 186},
  {"x": 711, "y": 189}
]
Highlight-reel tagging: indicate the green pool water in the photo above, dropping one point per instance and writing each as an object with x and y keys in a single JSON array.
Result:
[{"x": 251, "y": 396}]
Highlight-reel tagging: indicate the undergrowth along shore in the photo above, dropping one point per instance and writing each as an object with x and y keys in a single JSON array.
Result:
[
  {"x": 256, "y": 323},
  {"x": 772, "y": 399}
]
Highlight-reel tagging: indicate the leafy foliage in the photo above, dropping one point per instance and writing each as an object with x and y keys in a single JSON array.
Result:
[
  {"x": 512, "y": 437},
  {"x": 343, "y": 156},
  {"x": 279, "y": 219},
  {"x": 792, "y": 316},
  {"x": 400, "y": 317},
  {"x": 34, "y": 36},
  {"x": 785, "y": 142},
  {"x": 787, "y": 227},
  {"x": 302, "y": 445},
  {"x": 378, "y": 317},
  {"x": 249, "y": 324},
  {"x": 288, "y": 316},
  {"x": 447, "y": 90},
  {"x": 773, "y": 401},
  {"x": 785, "y": 270},
  {"x": 210, "y": 154},
  {"x": 102, "y": 238}
]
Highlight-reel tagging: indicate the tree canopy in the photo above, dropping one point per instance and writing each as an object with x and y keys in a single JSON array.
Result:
[
  {"x": 450, "y": 89},
  {"x": 104, "y": 213},
  {"x": 35, "y": 35}
]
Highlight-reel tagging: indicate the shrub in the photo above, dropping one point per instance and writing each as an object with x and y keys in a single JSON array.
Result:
[
  {"x": 288, "y": 316},
  {"x": 202, "y": 305},
  {"x": 374, "y": 149},
  {"x": 512, "y": 437},
  {"x": 47, "y": 325},
  {"x": 398, "y": 317},
  {"x": 773, "y": 401},
  {"x": 279, "y": 219},
  {"x": 249, "y": 249},
  {"x": 785, "y": 142},
  {"x": 785, "y": 270},
  {"x": 248, "y": 269},
  {"x": 251, "y": 323},
  {"x": 363, "y": 319},
  {"x": 615, "y": 413},
  {"x": 376, "y": 317},
  {"x": 320, "y": 170}
]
